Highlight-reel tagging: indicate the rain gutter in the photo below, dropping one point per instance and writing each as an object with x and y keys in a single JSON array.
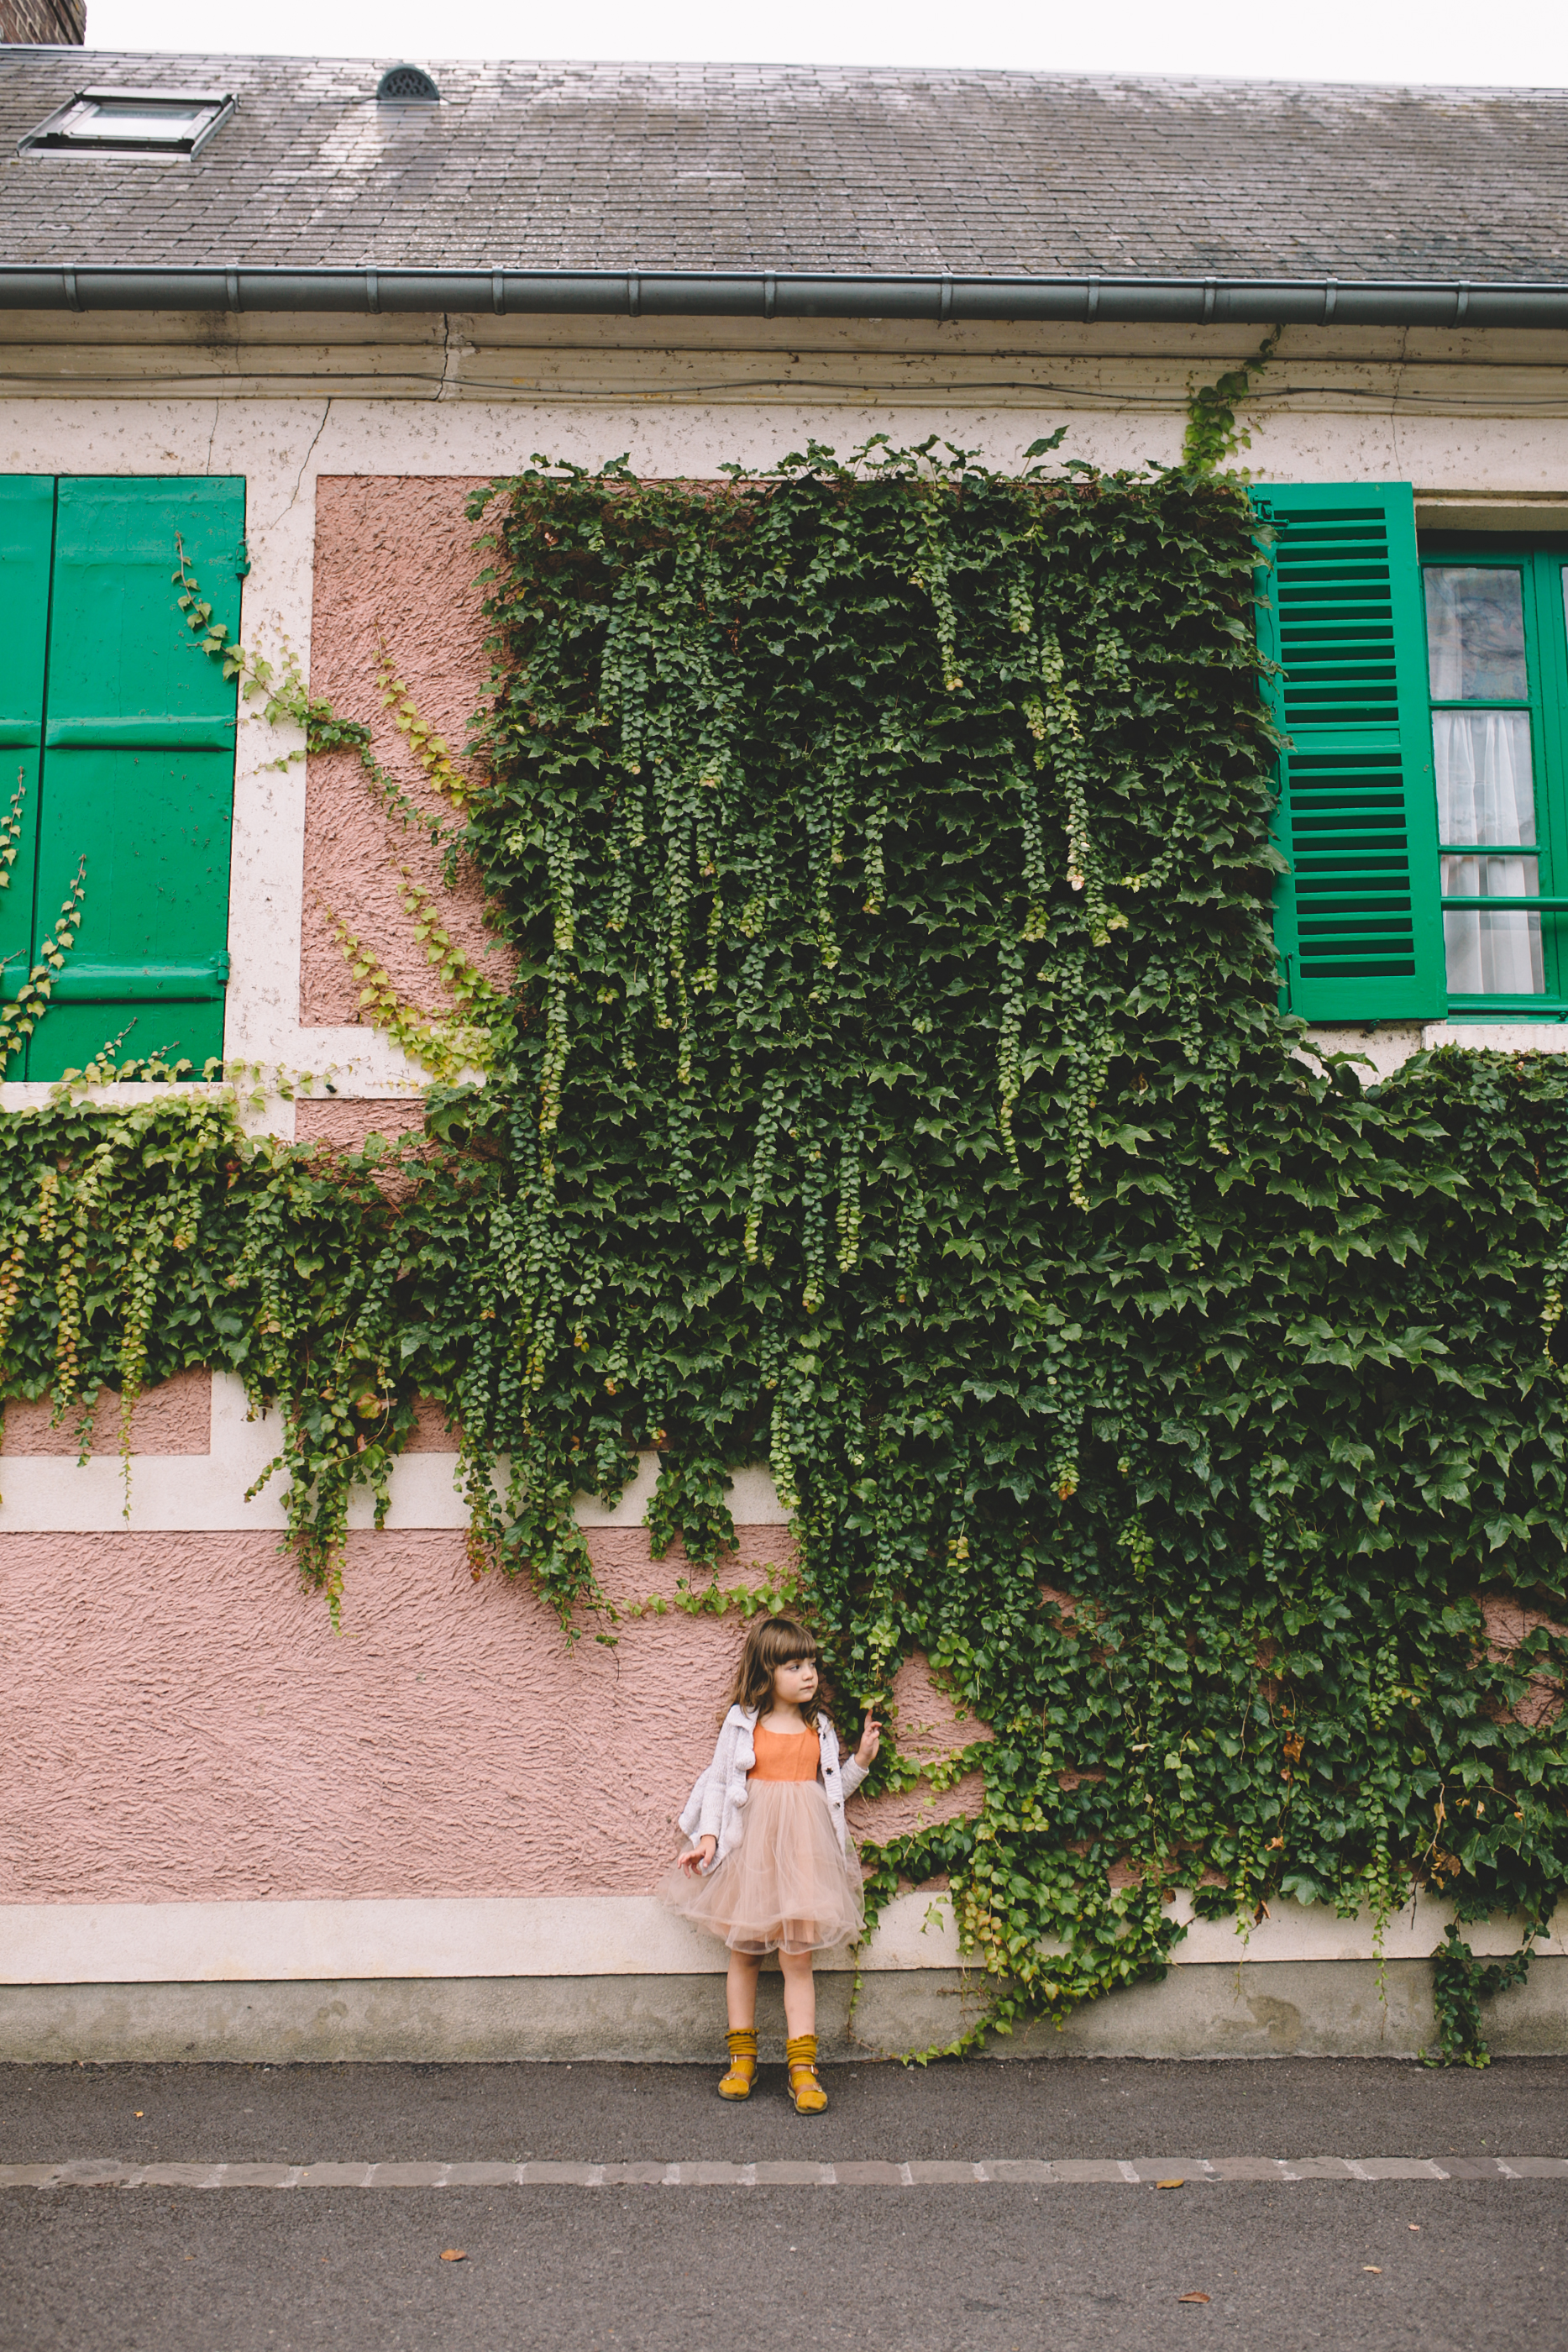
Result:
[{"x": 761, "y": 294}]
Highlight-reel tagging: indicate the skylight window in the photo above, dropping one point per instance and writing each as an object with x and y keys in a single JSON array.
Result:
[{"x": 154, "y": 125}]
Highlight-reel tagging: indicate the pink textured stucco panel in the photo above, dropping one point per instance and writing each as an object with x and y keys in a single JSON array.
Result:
[
  {"x": 346, "y": 1124},
  {"x": 181, "y": 1724},
  {"x": 431, "y": 1431},
  {"x": 173, "y": 1417},
  {"x": 930, "y": 1727},
  {"x": 394, "y": 565},
  {"x": 1507, "y": 1620},
  {"x": 921, "y": 1808}
]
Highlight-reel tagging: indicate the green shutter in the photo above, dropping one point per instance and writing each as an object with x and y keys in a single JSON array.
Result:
[
  {"x": 26, "y": 536},
  {"x": 139, "y": 756},
  {"x": 1358, "y": 920}
]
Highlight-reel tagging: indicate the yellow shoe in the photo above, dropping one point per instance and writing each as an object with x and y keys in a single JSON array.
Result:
[
  {"x": 801, "y": 2052},
  {"x": 737, "y": 2083}
]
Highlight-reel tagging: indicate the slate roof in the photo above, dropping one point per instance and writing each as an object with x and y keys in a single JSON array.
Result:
[{"x": 715, "y": 167}]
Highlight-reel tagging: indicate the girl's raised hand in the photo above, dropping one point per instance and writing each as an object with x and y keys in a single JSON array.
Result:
[
  {"x": 871, "y": 1741},
  {"x": 702, "y": 1852}
]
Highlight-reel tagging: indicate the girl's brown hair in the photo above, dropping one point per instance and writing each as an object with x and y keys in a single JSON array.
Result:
[{"x": 772, "y": 1642}]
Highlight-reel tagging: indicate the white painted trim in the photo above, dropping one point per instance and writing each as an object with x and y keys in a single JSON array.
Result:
[
  {"x": 576, "y": 1936},
  {"x": 1388, "y": 1045},
  {"x": 259, "y": 1110},
  {"x": 51, "y": 1493},
  {"x": 572, "y": 1936},
  {"x": 1498, "y": 1036}
]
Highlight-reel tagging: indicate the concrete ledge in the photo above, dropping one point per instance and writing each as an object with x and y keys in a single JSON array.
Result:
[{"x": 1304, "y": 2009}]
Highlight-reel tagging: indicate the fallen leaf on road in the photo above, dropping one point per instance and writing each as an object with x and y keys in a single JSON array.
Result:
[
  {"x": 1170, "y": 2184},
  {"x": 453, "y": 2254},
  {"x": 139, "y": 2113},
  {"x": 1192, "y": 2298},
  {"x": 1376, "y": 2268},
  {"x": 1411, "y": 2225}
]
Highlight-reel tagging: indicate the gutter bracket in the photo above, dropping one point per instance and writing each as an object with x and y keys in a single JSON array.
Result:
[
  {"x": 1461, "y": 301},
  {"x": 73, "y": 299},
  {"x": 770, "y": 296},
  {"x": 1091, "y": 303},
  {"x": 633, "y": 294},
  {"x": 498, "y": 292},
  {"x": 944, "y": 309},
  {"x": 1210, "y": 289},
  {"x": 373, "y": 293},
  {"x": 1330, "y": 294},
  {"x": 231, "y": 289}
]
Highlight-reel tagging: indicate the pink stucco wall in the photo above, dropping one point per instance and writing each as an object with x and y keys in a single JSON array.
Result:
[
  {"x": 394, "y": 565},
  {"x": 173, "y": 1417},
  {"x": 181, "y": 1724},
  {"x": 344, "y": 1126}
]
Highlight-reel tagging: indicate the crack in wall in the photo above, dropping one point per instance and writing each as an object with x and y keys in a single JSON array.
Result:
[
  {"x": 1400, "y": 372},
  {"x": 304, "y": 464},
  {"x": 452, "y": 355}
]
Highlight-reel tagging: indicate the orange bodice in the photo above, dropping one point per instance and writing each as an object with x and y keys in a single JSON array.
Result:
[{"x": 785, "y": 1754}]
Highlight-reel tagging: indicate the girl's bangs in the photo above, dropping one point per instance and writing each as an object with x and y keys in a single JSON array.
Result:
[{"x": 788, "y": 1648}]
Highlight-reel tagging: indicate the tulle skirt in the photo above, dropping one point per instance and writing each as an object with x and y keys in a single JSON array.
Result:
[{"x": 788, "y": 1886}]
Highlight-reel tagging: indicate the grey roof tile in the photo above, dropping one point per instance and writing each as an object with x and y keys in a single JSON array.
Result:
[{"x": 801, "y": 168}]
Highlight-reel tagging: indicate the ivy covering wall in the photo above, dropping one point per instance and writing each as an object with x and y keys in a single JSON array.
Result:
[{"x": 893, "y": 1090}]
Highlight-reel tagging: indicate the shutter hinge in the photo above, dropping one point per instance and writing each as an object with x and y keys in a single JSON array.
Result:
[
  {"x": 242, "y": 561},
  {"x": 220, "y": 966}
]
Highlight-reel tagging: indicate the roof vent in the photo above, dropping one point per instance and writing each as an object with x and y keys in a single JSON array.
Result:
[{"x": 407, "y": 85}]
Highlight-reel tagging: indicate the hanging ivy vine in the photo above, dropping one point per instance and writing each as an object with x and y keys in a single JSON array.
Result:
[{"x": 893, "y": 1090}]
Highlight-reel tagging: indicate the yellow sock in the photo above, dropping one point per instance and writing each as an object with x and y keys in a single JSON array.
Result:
[
  {"x": 738, "y": 2082},
  {"x": 800, "y": 2053}
]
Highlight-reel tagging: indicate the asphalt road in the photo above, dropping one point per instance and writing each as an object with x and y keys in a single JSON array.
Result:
[
  {"x": 604, "y": 2114},
  {"x": 1073, "y": 2268}
]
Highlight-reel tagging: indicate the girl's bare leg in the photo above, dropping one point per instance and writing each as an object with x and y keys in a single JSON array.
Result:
[
  {"x": 740, "y": 1990},
  {"x": 800, "y": 1993}
]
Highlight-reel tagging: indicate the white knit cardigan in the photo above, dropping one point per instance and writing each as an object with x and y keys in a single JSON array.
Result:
[{"x": 717, "y": 1806}]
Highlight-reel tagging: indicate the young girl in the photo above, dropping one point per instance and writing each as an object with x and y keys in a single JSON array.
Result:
[{"x": 771, "y": 1867}]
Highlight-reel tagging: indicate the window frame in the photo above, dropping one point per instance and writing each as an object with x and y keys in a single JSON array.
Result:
[
  {"x": 1542, "y": 564},
  {"x": 57, "y": 134}
]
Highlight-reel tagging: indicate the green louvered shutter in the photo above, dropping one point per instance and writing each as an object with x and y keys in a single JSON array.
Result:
[
  {"x": 1358, "y": 920},
  {"x": 139, "y": 758},
  {"x": 26, "y": 536}
]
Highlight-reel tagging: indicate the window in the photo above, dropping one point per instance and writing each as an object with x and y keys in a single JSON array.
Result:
[
  {"x": 1497, "y": 668},
  {"x": 157, "y": 125},
  {"x": 1423, "y": 810},
  {"x": 117, "y": 741}
]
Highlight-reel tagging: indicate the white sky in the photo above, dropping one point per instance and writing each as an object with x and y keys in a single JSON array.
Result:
[{"x": 1474, "y": 41}]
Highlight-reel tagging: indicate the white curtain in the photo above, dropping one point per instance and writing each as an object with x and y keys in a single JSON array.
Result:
[{"x": 1485, "y": 793}]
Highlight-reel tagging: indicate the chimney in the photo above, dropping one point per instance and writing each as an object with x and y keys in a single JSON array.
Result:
[{"x": 44, "y": 24}]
